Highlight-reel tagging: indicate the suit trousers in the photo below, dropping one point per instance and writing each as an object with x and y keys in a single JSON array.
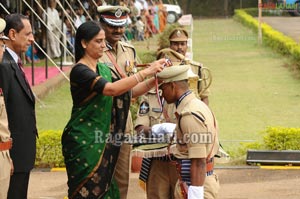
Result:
[
  {"x": 18, "y": 186},
  {"x": 4, "y": 174}
]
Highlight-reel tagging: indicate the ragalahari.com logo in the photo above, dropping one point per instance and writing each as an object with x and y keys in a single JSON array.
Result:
[{"x": 281, "y": 5}]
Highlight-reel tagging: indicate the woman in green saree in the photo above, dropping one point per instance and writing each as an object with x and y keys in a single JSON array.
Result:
[{"x": 91, "y": 140}]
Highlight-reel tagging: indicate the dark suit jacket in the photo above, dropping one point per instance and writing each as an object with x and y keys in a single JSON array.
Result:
[{"x": 20, "y": 105}]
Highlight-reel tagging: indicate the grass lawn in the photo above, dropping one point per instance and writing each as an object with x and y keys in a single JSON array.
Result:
[
  {"x": 54, "y": 111},
  {"x": 252, "y": 86}
]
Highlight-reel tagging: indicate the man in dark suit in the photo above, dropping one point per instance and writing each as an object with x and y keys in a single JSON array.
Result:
[{"x": 20, "y": 103}]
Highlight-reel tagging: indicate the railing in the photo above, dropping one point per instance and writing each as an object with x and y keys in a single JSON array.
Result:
[{"x": 39, "y": 16}]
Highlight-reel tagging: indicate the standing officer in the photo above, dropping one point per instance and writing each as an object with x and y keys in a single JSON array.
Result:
[
  {"x": 176, "y": 53},
  {"x": 196, "y": 135},
  {"x": 120, "y": 57},
  {"x": 6, "y": 166},
  {"x": 20, "y": 103},
  {"x": 158, "y": 175}
]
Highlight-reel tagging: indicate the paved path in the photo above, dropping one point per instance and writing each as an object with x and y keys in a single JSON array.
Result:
[
  {"x": 290, "y": 26},
  {"x": 235, "y": 184}
]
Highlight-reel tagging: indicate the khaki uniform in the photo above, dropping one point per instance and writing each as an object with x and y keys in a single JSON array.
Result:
[
  {"x": 177, "y": 58},
  {"x": 194, "y": 116},
  {"x": 5, "y": 165},
  {"x": 151, "y": 113},
  {"x": 124, "y": 56},
  {"x": 162, "y": 174}
]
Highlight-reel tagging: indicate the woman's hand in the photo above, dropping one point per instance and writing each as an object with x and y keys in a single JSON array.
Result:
[{"x": 155, "y": 67}]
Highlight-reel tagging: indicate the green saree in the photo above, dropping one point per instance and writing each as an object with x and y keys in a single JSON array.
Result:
[{"x": 89, "y": 143}]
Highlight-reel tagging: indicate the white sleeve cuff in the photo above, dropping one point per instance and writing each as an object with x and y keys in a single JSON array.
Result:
[{"x": 196, "y": 192}]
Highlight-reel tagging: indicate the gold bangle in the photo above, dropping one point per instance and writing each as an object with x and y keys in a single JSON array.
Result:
[
  {"x": 136, "y": 78},
  {"x": 147, "y": 84}
]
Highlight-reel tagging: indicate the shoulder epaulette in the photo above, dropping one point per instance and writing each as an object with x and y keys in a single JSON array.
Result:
[
  {"x": 197, "y": 115},
  {"x": 127, "y": 45}
]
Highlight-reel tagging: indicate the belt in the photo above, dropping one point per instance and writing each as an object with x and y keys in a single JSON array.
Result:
[
  {"x": 165, "y": 158},
  {"x": 209, "y": 165},
  {"x": 6, "y": 145}
]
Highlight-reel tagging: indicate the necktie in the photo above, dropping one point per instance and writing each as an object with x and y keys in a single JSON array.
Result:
[{"x": 23, "y": 73}]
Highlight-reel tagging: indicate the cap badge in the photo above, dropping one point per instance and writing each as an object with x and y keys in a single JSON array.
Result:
[
  {"x": 118, "y": 13},
  {"x": 178, "y": 33}
]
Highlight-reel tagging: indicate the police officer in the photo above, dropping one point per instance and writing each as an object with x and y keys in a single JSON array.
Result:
[
  {"x": 176, "y": 53},
  {"x": 157, "y": 173},
  {"x": 196, "y": 133},
  {"x": 6, "y": 166}
]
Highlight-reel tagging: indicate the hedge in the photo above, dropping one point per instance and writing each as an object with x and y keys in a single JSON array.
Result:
[
  {"x": 273, "y": 138},
  {"x": 265, "y": 12},
  {"x": 280, "y": 138},
  {"x": 275, "y": 39},
  {"x": 48, "y": 149}
]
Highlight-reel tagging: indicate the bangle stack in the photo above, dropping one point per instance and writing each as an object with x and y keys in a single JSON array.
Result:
[{"x": 139, "y": 77}]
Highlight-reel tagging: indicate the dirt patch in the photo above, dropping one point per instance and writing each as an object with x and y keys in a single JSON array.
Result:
[{"x": 235, "y": 184}]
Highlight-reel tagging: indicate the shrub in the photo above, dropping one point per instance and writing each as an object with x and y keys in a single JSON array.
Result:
[
  {"x": 276, "y": 40},
  {"x": 274, "y": 138},
  {"x": 49, "y": 152},
  {"x": 241, "y": 151},
  {"x": 163, "y": 40},
  {"x": 147, "y": 56},
  {"x": 280, "y": 138},
  {"x": 265, "y": 12}
]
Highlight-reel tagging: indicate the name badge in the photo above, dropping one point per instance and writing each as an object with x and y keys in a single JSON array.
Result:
[{"x": 157, "y": 110}]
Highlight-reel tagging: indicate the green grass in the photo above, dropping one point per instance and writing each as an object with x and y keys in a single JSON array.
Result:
[
  {"x": 54, "y": 111},
  {"x": 252, "y": 86}
]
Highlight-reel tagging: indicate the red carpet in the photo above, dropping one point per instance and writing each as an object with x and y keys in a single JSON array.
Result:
[{"x": 40, "y": 73}]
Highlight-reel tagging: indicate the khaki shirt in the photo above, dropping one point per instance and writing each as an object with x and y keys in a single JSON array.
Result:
[
  {"x": 196, "y": 131},
  {"x": 4, "y": 131},
  {"x": 125, "y": 57},
  {"x": 150, "y": 113}
]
